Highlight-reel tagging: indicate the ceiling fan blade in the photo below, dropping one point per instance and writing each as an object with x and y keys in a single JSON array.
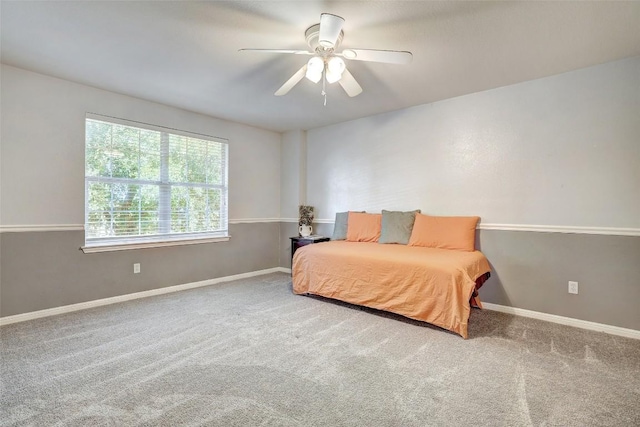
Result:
[
  {"x": 289, "y": 84},
  {"x": 330, "y": 27},
  {"x": 373, "y": 55},
  {"x": 349, "y": 84},
  {"x": 295, "y": 52}
]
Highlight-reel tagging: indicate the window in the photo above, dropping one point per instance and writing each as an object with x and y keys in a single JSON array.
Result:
[{"x": 146, "y": 185}]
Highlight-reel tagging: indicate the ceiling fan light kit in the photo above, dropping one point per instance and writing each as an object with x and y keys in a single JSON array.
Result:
[
  {"x": 332, "y": 67},
  {"x": 323, "y": 39}
]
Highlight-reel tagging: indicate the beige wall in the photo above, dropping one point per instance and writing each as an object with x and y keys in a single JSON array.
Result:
[
  {"x": 293, "y": 158},
  {"x": 42, "y": 132},
  {"x": 559, "y": 151}
]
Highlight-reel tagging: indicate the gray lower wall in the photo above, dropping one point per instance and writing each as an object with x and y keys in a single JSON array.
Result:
[
  {"x": 287, "y": 230},
  {"x": 530, "y": 270},
  {"x": 41, "y": 270}
]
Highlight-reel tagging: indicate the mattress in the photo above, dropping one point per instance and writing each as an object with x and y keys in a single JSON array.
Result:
[{"x": 427, "y": 284}]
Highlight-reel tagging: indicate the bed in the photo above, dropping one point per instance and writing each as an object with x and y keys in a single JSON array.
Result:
[{"x": 433, "y": 285}]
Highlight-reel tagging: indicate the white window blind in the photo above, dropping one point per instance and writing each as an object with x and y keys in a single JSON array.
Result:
[{"x": 146, "y": 183}]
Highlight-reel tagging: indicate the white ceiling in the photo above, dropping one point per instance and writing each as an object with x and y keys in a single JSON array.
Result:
[{"x": 185, "y": 54}]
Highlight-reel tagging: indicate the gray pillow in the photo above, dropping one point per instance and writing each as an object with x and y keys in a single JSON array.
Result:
[
  {"x": 340, "y": 225},
  {"x": 397, "y": 226}
]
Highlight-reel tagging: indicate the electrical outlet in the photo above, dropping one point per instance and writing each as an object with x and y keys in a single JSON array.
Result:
[
  {"x": 136, "y": 269},
  {"x": 573, "y": 288}
]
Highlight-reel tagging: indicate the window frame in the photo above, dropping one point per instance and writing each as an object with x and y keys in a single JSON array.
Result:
[{"x": 166, "y": 238}]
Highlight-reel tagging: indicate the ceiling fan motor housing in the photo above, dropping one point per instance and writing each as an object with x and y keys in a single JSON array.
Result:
[{"x": 312, "y": 35}]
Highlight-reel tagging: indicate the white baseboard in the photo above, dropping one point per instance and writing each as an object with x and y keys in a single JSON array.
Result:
[
  {"x": 7, "y": 320},
  {"x": 583, "y": 324}
]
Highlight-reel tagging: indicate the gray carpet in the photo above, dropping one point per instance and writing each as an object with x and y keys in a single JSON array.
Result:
[{"x": 250, "y": 353}]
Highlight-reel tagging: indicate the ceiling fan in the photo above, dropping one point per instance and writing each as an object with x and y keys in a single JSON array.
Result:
[{"x": 328, "y": 65}]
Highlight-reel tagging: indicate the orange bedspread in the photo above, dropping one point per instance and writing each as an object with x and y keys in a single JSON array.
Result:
[{"x": 432, "y": 285}]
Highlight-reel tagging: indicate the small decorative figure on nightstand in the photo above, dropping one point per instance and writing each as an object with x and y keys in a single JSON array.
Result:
[{"x": 306, "y": 219}]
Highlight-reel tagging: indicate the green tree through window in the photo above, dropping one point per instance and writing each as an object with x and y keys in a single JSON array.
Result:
[{"x": 147, "y": 183}]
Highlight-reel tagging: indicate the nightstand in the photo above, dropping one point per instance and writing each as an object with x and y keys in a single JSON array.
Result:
[{"x": 298, "y": 242}]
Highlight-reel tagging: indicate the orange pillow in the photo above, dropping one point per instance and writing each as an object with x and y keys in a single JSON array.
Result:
[
  {"x": 364, "y": 227},
  {"x": 445, "y": 232}
]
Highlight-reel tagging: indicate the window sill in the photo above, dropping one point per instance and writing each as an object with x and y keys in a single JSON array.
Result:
[{"x": 146, "y": 245}]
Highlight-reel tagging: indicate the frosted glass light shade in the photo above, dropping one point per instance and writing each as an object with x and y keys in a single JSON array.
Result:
[
  {"x": 335, "y": 68},
  {"x": 332, "y": 77},
  {"x": 315, "y": 66},
  {"x": 336, "y": 65},
  {"x": 312, "y": 75}
]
